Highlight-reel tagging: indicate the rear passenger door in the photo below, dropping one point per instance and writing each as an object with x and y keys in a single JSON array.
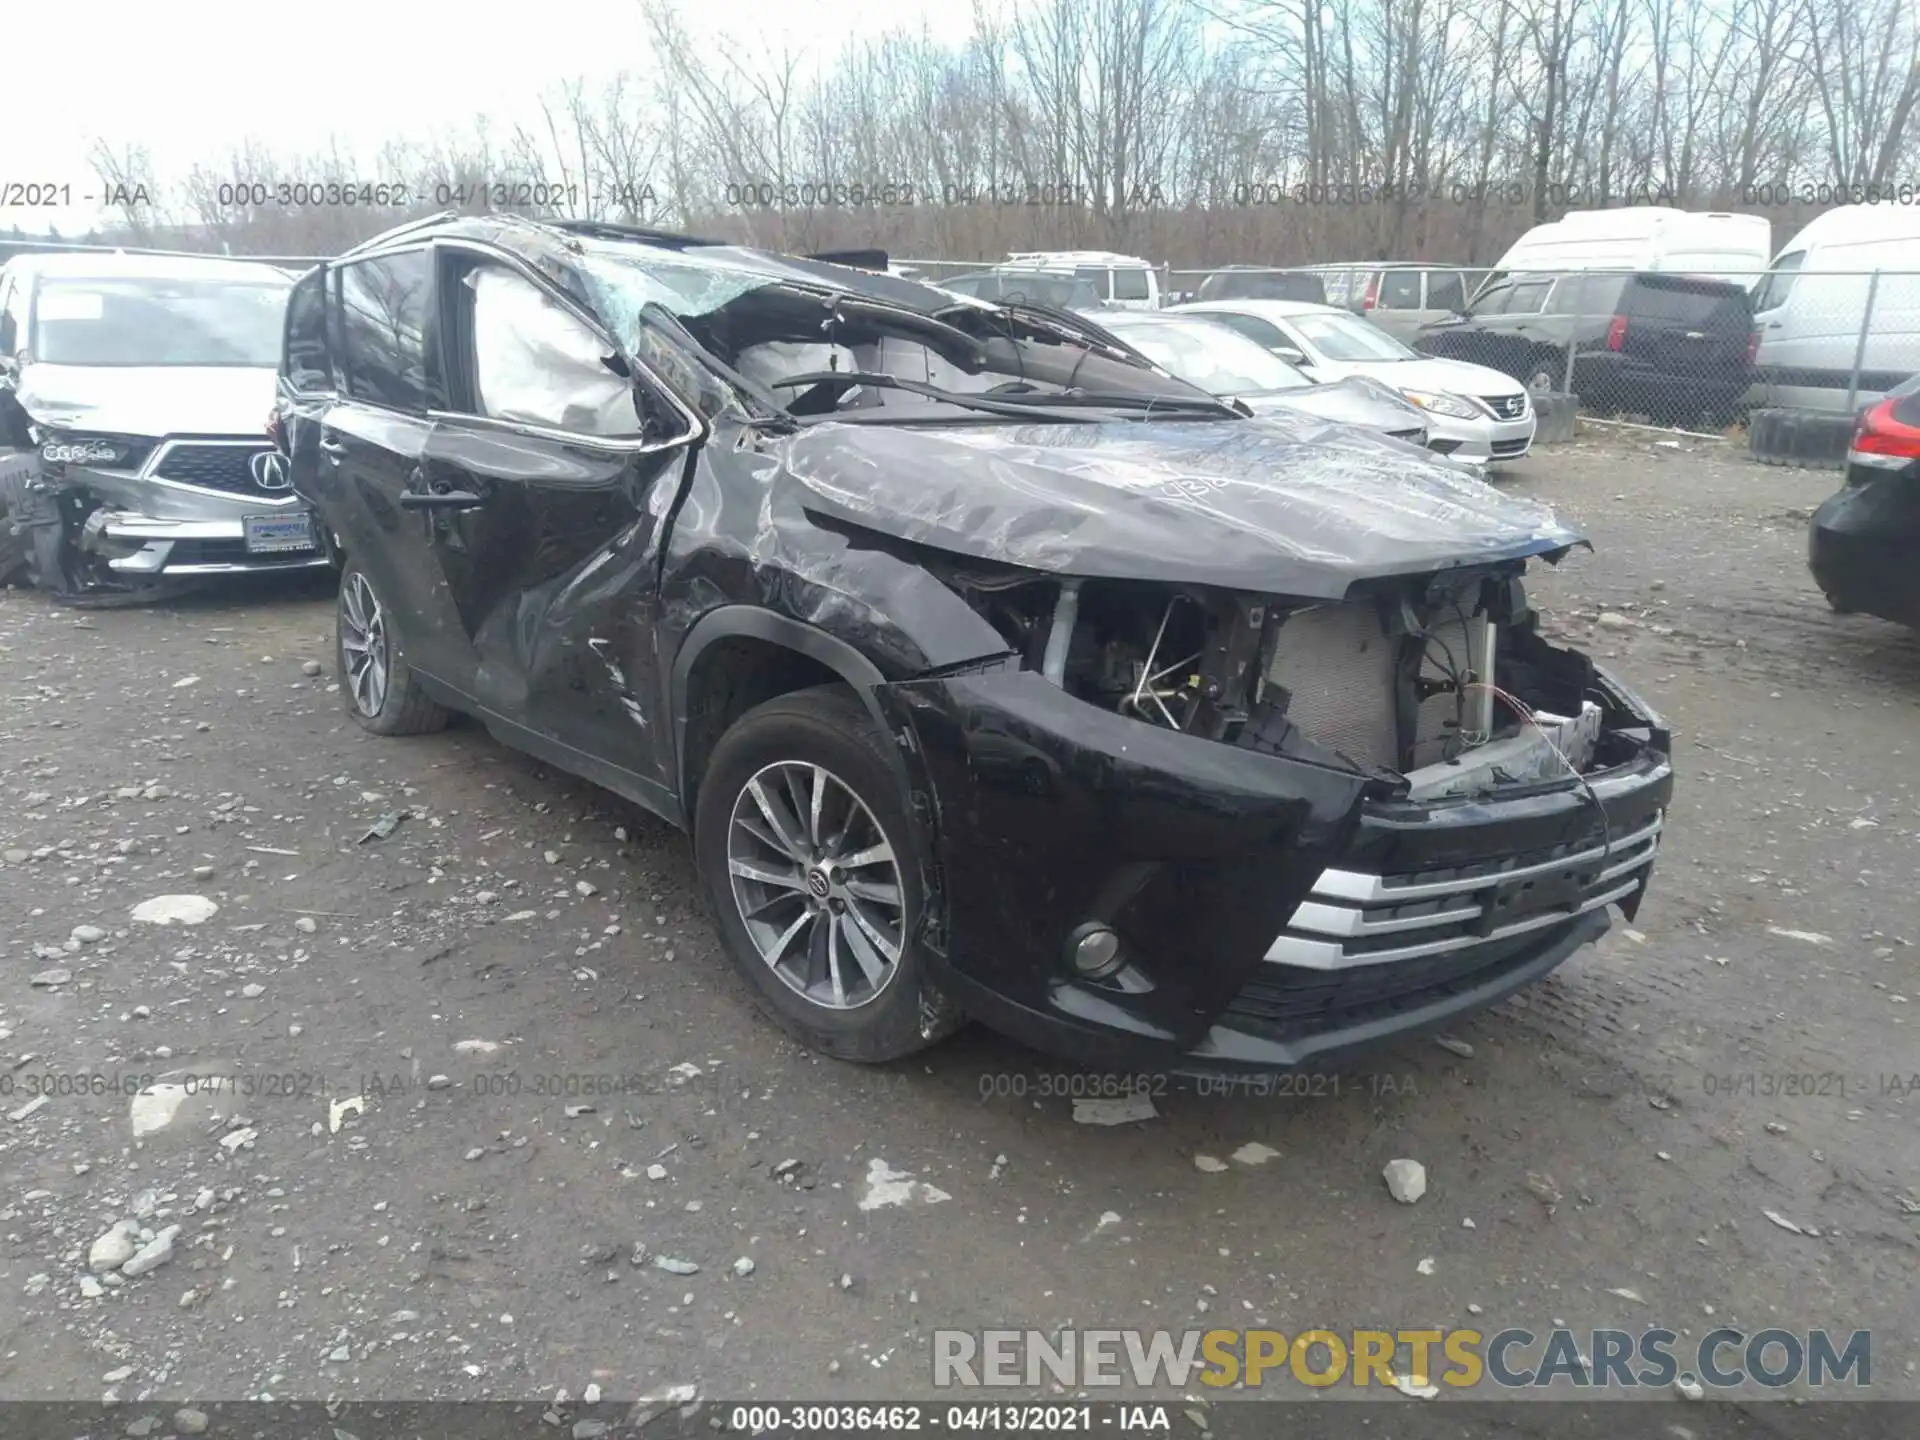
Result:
[
  {"x": 370, "y": 445},
  {"x": 551, "y": 569}
]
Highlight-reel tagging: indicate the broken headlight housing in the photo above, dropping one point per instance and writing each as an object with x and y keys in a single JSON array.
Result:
[{"x": 101, "y": 451}]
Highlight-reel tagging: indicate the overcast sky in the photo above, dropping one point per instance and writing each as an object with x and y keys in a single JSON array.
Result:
[{"x": 192, "y": 80}]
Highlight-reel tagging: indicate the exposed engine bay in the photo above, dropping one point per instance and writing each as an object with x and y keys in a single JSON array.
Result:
[{"x": 1441, "y": 680}]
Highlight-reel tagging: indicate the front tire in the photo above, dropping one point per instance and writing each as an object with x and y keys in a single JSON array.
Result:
[
  {"x": 802, "y": 841},
  {"x": 376, "y": 683}
]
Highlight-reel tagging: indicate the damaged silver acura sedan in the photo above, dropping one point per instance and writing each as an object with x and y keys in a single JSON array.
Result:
[
  {"x": 994, "y": 671},
  {"x": 134, "y": 394}
]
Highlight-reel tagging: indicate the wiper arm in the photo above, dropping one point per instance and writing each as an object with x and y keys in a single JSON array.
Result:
[
  {"x": 1128, "y": 400},
  {"x": 1070, "y": 324},
  {"x": 844, "y": 380},
  {"x": 1059, "y": 405}
]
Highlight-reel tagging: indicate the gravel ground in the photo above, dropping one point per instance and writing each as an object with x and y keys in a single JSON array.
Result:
[{"x": 495, "y": 1120}]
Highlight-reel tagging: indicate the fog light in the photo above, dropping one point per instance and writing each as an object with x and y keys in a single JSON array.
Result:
[{"x": 1094, "y": 951}]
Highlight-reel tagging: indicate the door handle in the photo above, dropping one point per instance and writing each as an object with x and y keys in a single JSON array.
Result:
[{"x": 440, "y": 500}]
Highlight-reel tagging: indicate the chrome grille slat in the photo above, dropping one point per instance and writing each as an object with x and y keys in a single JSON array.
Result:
[
  {"x": 1507, "y": 407},
  {"x": 1323, "y": 936},
  {"x": 221, "y": 465},
  {"x": 1363, "y": 888}
]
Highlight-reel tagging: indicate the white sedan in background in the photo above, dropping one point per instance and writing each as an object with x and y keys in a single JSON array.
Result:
[{"x": 1474, "y": 413}]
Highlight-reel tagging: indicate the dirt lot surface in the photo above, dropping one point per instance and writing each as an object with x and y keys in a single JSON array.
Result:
[{"x": 547, "y": 1085}]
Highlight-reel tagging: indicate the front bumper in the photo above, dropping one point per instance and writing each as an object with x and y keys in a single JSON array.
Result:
[
  {"x": 144, "y": 525},
  {"x": 193, "y": 547},
  {"x": 1274, "y": 911},
  {"x": 1480, "y": 441}
]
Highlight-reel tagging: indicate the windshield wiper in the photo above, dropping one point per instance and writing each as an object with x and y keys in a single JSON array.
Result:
[
  {"x": 1060, "y": 405},
  {"x": 1010, "y": 406},
  {"x": 1126, "y": 399}
]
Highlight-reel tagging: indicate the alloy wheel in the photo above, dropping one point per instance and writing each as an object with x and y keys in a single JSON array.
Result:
[
  {"x": 817, "y": 883},
  {"x": 363, "y": 641}
]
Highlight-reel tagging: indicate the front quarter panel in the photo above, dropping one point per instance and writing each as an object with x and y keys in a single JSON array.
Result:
[{"x": 742, "y": 535}]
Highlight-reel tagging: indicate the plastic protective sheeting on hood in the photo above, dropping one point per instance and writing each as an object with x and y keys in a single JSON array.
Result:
[{"x": 1281, "y": 505}]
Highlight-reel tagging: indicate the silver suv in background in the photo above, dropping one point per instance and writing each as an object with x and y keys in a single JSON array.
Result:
[
  {"x": 1397, "y": 295},
  {"x": 135, "y": 392}
]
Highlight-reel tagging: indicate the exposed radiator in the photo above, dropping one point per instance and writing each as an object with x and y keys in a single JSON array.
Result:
[{"x": 1337, "y": 664}]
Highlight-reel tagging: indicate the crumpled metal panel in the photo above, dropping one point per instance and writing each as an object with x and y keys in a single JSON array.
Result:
[
  {"x": 1280, "y": 505},
  {"x": 741, "y": 535}
]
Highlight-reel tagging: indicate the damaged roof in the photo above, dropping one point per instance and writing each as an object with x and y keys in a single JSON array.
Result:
[{"x": 547, "y": 243}]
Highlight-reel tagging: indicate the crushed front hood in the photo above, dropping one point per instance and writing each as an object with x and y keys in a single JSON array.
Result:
[
  {"x": 1284, "y": 505},
  {"x": 148, "y": 400}
]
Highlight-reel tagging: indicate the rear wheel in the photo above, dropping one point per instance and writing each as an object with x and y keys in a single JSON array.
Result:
[
  {"x": 376, "y": 683},
  {"x": 801, "y": 838}
]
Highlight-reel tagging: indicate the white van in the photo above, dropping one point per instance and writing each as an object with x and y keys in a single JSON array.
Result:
[
  {"x": 1126, "y": 282},
  {"x": 1810, "y": 309},
  {"x": 1715, "y": 245}
]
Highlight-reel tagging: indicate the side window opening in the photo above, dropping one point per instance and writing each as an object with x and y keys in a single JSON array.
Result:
[
  {"x": 307, "y": 362},
  {"x": 1399, "y": 290},
  {"x": 531, "y": 361},
  {"x": 387, "y": 332},
  {"x": 1527, "y": 298},
  {"x": 1256, "y": 330},
  {"x": 1130, "y": 284},
  {"x": 1445, "y": 292},
  {"x": 1772, "y": 292}
]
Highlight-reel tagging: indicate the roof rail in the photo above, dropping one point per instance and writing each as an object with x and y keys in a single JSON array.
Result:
[
  {"x": 407, "y": 228},
  {"x": 608, "y": 230}
]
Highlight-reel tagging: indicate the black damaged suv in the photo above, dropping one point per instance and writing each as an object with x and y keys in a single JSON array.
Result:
[{"x": 994, "y": 671}]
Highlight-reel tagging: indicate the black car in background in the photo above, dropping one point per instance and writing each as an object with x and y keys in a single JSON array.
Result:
[
  {"x": 1676, "y": 348},
  {"x": 995, "y": 672},
  {"x": 1258, "y": 282},
  {"x": 1864, "y": 539}
]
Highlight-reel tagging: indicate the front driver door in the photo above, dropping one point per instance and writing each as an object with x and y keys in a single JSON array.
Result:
[{"x": 553, "y": 486}]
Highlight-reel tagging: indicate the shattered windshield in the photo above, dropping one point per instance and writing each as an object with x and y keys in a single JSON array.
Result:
[
  {"x": 158, "y": 322},
  {"x": 791, "y": 337}
]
